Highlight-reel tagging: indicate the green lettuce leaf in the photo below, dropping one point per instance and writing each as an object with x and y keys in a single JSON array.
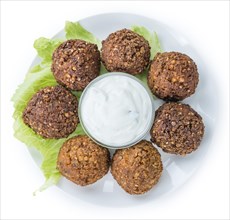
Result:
[
  {"x": 45, "y": 48},
  {"x": 39, "y": 77},
  {"x": 75, "y": 31}
]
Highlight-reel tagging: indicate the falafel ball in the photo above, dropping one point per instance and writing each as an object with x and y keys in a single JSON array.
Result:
[
  {"x": 76, "y": 63},
  {"x": 82, "y": 161},
  {"x": 172, "y": 76},
  {"x": 52, "y": 112},
  {"x": 138, "y": 168},
  {"x": 177, "y": 128},
  {"x": 125, "y": 51}
]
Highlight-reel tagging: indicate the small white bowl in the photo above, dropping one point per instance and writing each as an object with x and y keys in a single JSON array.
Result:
[{"x": 141, "y": 135}]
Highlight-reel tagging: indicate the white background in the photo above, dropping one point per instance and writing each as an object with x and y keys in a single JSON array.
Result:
[{"x": 205, "y": 25}]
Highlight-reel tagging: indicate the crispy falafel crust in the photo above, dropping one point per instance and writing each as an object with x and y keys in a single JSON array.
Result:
[
  {"x": 177, "y": 128},
  {"x": 52, "y": 112},
  {"x": 76, "y": 63},
  {"x": 138, "y": 168},
  {"x": 82, "y": 161},
  {"x": 172, "y": 76},
  {"x": 125, "y": 51}
]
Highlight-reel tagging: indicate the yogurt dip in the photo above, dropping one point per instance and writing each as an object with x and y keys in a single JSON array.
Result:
[{"x": 116, "y": 110}]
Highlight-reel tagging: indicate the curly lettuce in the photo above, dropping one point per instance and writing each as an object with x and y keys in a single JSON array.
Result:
[{"x": 75, "y": 31}]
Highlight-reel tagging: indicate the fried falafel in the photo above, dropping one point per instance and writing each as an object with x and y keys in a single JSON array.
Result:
[
  {"x": 138, "y": 168},
  {"x": 172, "y": 76},
  {"x": 125, "y": 51},
  {"x": 82, "y": 161},
  {"x": 177, "y": 128},
  {"x": 76, "y": 63},
  {"x": 52, "y": 112}
]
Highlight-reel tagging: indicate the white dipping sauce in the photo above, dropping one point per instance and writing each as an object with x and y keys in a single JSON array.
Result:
[{"x": 116, "y": 110}]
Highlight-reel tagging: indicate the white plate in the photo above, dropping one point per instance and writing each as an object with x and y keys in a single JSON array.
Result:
[{"x": 177, "y": 169}]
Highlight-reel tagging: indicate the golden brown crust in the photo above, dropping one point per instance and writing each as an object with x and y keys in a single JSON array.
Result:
[
  {"x": 177, "y": 128},
  {"x": 82, "y": 161},
  {"x": 76, "y": 63},
  {"x": 52, "y": 112},
  {"x": 138, "y": 168},
  {"x": 172, "y": 76},
  {"x": 125, "y": 51}
]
